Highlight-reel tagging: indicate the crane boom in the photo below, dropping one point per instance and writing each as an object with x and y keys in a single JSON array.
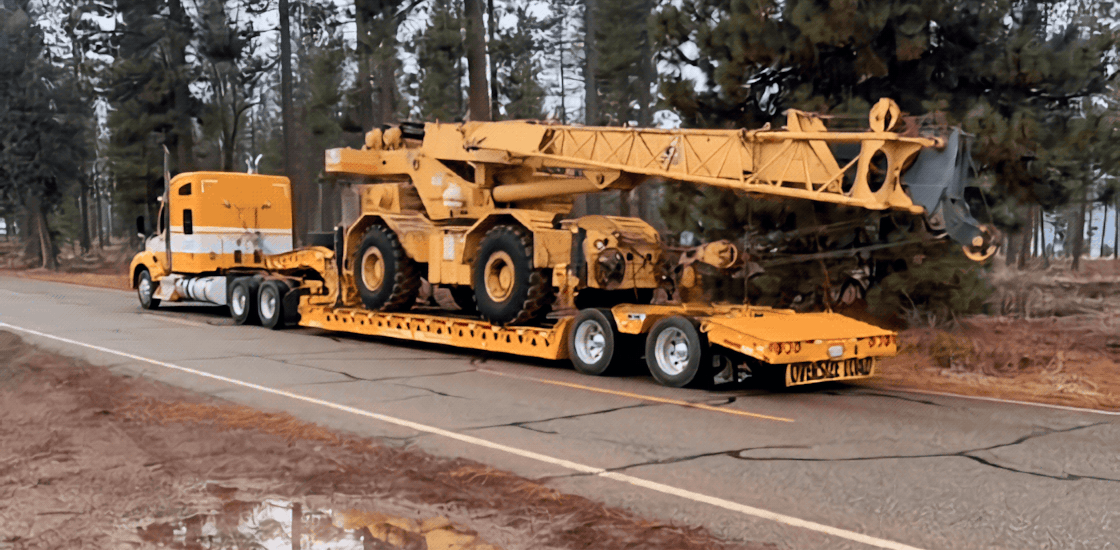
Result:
[{"x": 470, "y": 170}]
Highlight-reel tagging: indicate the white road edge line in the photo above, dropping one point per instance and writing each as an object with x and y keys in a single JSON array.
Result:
[
  {"x": 574, "y": 466},
  {"x": 998, "y": 400}
]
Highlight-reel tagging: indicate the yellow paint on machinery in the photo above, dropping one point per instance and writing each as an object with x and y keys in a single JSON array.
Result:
[
  {"x": 479, "y": 207},
  {"x": 220, "y": 221}
]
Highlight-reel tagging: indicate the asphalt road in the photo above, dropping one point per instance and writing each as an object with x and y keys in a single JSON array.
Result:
[{"x": 811, "y": 469}]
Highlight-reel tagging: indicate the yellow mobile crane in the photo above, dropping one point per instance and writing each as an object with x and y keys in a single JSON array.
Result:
[{"x": 479, "y": 208}]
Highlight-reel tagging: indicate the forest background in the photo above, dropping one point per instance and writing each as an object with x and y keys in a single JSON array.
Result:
[{"x": 92, "y": 91}]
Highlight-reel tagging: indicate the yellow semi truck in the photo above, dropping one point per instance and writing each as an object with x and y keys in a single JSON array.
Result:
[{"x": 479, "y": 208}]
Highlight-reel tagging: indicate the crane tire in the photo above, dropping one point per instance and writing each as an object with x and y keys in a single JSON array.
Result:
[
  {"x": 387, "y": 279},
  {"x": 508, "y": 289}
]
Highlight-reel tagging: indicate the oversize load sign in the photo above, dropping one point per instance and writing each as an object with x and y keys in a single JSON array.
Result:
[{"x": 821, "y": 371}]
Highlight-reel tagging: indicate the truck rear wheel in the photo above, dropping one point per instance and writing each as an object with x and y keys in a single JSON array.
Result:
[
  {"x": 676, "y": 352},
  {"x": 507, "y": 288},
  {"x": 243, "y": 300},
  {"x": 387, "y": 279},
  {"x": 270, "y": 304},
  {"x": 145, "y": 288},
  {"x": 595, "y": 346}
]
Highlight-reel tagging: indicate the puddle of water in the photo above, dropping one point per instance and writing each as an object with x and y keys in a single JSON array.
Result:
[{"x": 268, "y": 524}]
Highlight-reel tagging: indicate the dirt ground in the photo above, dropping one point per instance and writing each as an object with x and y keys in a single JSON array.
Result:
[
  {"x": 93, "y": 460},
  {"x": 1072, "y": 361}
]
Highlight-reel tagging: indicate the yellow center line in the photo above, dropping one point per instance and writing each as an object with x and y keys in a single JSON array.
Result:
[{"x": 639, "y": 396}]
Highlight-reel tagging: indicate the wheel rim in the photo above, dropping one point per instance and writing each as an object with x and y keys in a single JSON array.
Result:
[
  {"x": 268, "y": 303},
  {"x": 373, "y": 268},
  {"x": 672, "y": 351},
  {"x": 591, "y": 342},
  {"x": 239, "y": 301},
  {"x": 145, "y": 288},
  {"x": 499, "y": 276}
]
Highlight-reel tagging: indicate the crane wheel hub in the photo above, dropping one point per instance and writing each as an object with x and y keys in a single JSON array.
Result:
[
  {"x": 373, "y": 268},
  {"x": 499, "y": 276}
]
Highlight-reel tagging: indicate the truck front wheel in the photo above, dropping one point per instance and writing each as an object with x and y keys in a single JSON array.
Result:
[
  {"x": 388, "y": 280},
  {"x": 507, "y": 288},
  {"x": 145, "y": 288}
]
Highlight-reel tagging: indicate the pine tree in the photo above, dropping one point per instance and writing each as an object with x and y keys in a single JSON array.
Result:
[
  {"x": 439, "y": 51},
  {"x": 42, "y": 115},
  {"x": 150, "y": 104},
  {"x": 513, "y": 54},
  {"x": 1009, "y": 71}
]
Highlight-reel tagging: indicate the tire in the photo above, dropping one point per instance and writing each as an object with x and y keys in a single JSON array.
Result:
[
  {"x": 676, "y": 353},
  {"x": 507, "y": 288},
  {"x": 464, "y": 298},
  {"x": 145, "y": 287},
  {"x": 595, "y": 346},
  {"x": 270, "y": 304},
  {"x": 243, "y": 300},
  {"x": 387, "y": 279}
]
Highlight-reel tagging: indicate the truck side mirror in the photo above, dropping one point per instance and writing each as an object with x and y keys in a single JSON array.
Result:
[{"x": 140, "y": 226}]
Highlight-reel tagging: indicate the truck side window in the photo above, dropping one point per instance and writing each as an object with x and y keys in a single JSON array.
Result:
[
  {"x": 188, "y": 222},
  {"x": 185, "y": 190}
]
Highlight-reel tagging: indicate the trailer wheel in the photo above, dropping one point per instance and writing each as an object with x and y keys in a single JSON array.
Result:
[
  {"x": 595, "y": 346},
  {"x": 243, "y": 300},
  {"x": 145, "y": 288},
  {"x": 676, "y": 352},
  {"x": 387, "y": 279},
  {"x": 270, "y": 304},
  {"x": 507, "y": 289}
]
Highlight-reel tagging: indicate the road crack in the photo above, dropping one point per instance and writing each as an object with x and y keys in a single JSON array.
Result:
[
  {"x": 525, "y": 423},
  {"x": 966, "y": 453}
]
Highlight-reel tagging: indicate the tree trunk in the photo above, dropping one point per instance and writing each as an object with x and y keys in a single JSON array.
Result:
[
  {"x": 1025, "y": 245},
  {"x": 42, "y": 233},
  {"x": 1078, "y": 235},
  {"x": 1036, "y": 231},
  {"x": 490, "y": 26},
  {"x": 297, "y": 525},
  {"x": 1104, "y": 230},
  {"x": 83, "y": 208},
  {"x": 590, "y": 84},
  {"x": 184, "y": 128},
  {"x": 300, "y": 198},
  {"x": 479, "y": 92},
  {"x": 1042, "y": 239},
  {"x": 646, "y": 79},
  {"x": 97, "y": 209}
]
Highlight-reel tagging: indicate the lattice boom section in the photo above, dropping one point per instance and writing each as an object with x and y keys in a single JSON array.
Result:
[{"x": 543, "y": 342}]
